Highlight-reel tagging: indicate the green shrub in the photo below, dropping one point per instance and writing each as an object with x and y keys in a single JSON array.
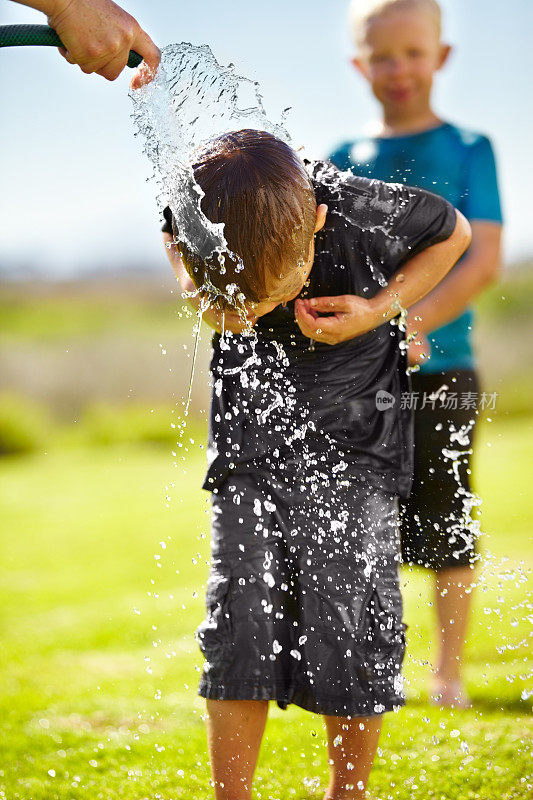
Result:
[
  {"x": 515, "y": 397},
  {"x": 509, "y": 299},
  {"x": 25, "y": 426}
]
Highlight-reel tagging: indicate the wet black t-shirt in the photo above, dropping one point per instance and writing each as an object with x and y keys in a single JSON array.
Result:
[{"x": 278, "y": 395}]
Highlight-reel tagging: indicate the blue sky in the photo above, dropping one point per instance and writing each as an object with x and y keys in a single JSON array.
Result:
[{"x": 75, "y": 193}]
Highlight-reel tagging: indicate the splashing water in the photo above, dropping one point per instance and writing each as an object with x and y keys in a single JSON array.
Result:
[
  {"x": 467, "y": 528},
  {"x": 193, "y": 99}
]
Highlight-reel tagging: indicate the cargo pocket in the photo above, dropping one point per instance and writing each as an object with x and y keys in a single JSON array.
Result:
[
  {"x": 214, "y": 634},
  {"x": 335, "y": 602},
  {"x": 383, "y": 641}
]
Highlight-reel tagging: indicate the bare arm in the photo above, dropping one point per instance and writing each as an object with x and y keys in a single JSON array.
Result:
[
  {"x": 98, "y": 35},
  {"x": 181, "y": 273},
  {"x": 480, "y": 267},
  {"x": 355, "y": 315},
  {"x": 213, "y": 317}
]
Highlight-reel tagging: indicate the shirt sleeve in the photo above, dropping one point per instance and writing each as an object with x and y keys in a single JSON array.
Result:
[
  {"x": 399, "y": 221},
  {"x": 482, "y": 197},
  {"x": 167, "y": 225},
  {"x": 340, "y": 157}
]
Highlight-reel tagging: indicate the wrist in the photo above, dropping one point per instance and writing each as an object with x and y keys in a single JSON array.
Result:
[
  {"x": 45, "y": 6},
  {"x": 55, "y": 9},
  {"x": 382, "y": 307}
]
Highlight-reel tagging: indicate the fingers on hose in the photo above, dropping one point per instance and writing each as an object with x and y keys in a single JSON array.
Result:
[
  {"x": 114, "y": 67},
  {"x": 118, "y": 57},
  {"x": 99, "y": 64},
  {"x": 109, "y": 56},
  {"x": 66, "y": 55},
  {"x": 143, "y": 45}
]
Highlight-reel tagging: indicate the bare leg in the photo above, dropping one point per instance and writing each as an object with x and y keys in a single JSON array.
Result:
[
  {"x": 453, "y": 606},
  {"x": 234, "y": 732},
  {"x": 351, "y": 759}
]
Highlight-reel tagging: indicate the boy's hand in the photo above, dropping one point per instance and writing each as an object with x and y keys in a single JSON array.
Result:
[{"x": 352, "y": 316}]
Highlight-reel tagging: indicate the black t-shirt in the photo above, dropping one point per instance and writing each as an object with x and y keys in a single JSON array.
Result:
[{"x": 279, "y": 394}]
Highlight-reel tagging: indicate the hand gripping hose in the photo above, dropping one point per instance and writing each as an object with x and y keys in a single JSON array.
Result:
[{"x": 42, "y": 35}]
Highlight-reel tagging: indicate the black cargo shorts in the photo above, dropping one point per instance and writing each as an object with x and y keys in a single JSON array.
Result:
[
  {"x": 439, "y": 523},
  {"x": 303, "y": 599}
]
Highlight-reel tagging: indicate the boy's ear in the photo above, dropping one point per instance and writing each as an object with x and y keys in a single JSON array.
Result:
[
  {"x": 321, "y": 214},
  {"x": 444, "y": 55},
  {"x": 360, "y": 66}
]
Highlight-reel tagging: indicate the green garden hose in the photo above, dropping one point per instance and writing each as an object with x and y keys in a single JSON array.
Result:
[{"x": 42, "y": 35}]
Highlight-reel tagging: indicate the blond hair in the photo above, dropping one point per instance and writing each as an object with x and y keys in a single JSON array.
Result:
[{"x": 361, "y": 12}]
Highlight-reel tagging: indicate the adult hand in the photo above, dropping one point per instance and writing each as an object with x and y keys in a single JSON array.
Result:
[
  {"x": 98, "y": 36},
  {"x": 351, "y": 317}
]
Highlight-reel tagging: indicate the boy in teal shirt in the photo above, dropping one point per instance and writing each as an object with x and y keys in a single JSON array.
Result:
[{"x": 399, "y": 51}]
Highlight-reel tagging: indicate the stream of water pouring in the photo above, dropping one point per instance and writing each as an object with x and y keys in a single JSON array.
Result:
[{"x": 191, "y": 100}]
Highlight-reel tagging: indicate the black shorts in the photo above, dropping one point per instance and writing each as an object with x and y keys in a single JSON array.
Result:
[
  {"x": 438, "y": 523},
  {"x": 303, "y": 599}
]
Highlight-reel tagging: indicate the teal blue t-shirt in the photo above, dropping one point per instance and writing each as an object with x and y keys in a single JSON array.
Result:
[{"x": 455, "y": 163}]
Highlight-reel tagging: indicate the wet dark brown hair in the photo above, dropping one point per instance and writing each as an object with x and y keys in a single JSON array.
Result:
[{"x": 258, "y": 187}]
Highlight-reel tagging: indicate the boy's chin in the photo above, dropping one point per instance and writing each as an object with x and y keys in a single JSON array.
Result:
[
  {"x": 400, "y": 98},
  {"x": 403, "y": 102}
]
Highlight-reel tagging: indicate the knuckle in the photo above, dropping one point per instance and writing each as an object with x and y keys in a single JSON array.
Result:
[
  {"x": 116, "y": 44},
  {"x": 129, "y": 33},
  {"x": 132, "y": 27},
  {"x": 94, "y": 51},
  {"x": 119, "y": 41}
]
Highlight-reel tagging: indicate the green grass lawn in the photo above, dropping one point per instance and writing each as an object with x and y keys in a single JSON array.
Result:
[
  {"x": 79, "y": 312},
  {"x": 104, "y": 556}
]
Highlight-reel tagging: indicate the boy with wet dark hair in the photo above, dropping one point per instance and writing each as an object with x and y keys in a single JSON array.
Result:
[
  {"x": 270, "y": 229},
  {"x": 309, "y": 447}
]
